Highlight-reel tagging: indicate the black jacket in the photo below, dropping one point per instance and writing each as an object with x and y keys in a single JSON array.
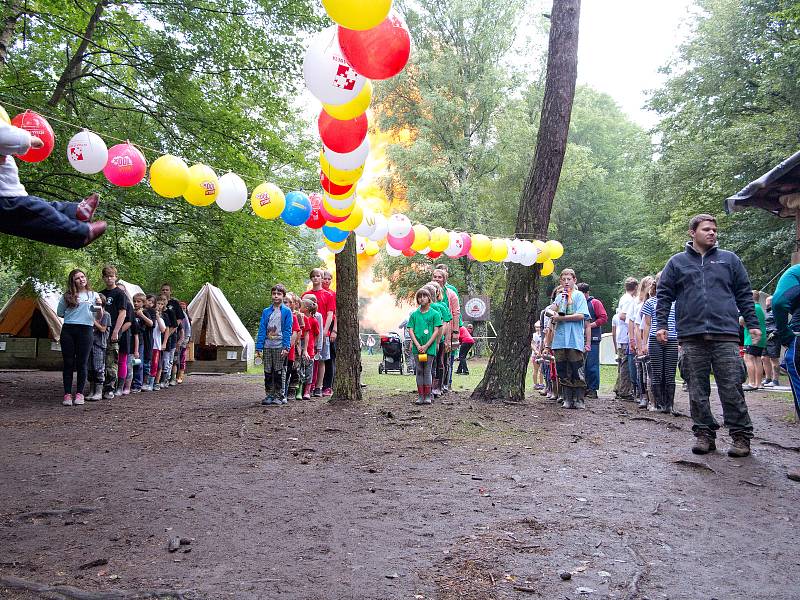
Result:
[{"x": 709, "y": 291}]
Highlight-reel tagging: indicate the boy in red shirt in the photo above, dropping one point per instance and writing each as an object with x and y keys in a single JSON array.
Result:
[{"x": 310, "y": 343}]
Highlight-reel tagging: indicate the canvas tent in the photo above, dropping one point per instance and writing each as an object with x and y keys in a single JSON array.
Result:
[
  {"x": 30, "y": 328},
  {"x": 130, "y": 288},
  {"x": 222, "y": 343}
]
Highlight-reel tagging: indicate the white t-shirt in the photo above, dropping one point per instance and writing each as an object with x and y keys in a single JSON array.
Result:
[{"x": 625, "y": 305}]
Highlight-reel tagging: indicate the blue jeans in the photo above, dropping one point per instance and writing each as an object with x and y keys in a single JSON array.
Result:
[
  {"x": 792, "y": 359},
  {"x": 138, "y": 374},
  {"x": 593, "y": 367},
  {"x": 36, "y": 219},
  {"x": 632, "y": 371}
]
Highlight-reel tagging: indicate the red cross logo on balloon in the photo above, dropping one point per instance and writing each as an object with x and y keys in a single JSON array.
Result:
[
  {"x": 344, "y": 79},
  {"x": 76, "y": 153}
]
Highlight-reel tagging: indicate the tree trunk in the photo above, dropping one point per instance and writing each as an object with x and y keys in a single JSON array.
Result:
[
  {"x": 505, "y": 374},
  {"x": 347, "y": 384},
  {"x": 73, "y": 68},
  {"x": 14, "y": 12}
]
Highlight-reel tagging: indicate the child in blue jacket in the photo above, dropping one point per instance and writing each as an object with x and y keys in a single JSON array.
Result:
[{"x": 273, "y": 342}]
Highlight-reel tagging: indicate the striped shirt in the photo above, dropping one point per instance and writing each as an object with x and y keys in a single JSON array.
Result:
[{"x": 649, "y": 310}]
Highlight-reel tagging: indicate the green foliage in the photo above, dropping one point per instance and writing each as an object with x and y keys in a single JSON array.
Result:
[
  {"x": 729, "y": 114},
  {"x": 211, "y": 83}
]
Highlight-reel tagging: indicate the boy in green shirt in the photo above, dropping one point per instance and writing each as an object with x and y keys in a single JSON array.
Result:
[
  {"x": 754, "y": 352},
  {"x": 424, "y": 325}
]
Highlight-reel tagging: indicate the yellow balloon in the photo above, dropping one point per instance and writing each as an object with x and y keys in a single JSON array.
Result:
[
  {"x": 481, "y": 247},
  {"x": 355, "y": 108},
  {"x": 422, "y": 235},
  {"x": 337, "y": 212},
  {"x": 372, "y": 248},
  {"x": 547, "y": 267},
  {"x": 353, "y": 220},
  {"x": 268, "y": 201},
  {"x": 543, "y": 254},
  {"x": 499, "y": 250},
  {"x": 554, "y": 249},
  {"x": 440, "y": 239},
  {"x": 4, "y": 116},
  {"x": 169, "y": 176},
  {"x": 345, "y": 204},
  {"x": 203, "y": 186},
  {"x": 358, "y": 14},
  {"x": 334, "y": 245},
  {"x": 338, "y": 176}
]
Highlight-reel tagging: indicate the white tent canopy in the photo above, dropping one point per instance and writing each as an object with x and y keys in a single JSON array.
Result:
[
  {"x": 130, "y": 288},
  {"x": 211, "y": 311},
  {"x": 16, "y": 315}
]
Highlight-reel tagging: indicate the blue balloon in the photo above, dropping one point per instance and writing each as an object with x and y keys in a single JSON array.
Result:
[
  {"x": 334, "y": 234},
  {"x": 297, "y": 210}
]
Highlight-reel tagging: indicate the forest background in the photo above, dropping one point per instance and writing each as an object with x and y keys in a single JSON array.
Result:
[{"x": 221, "y": 84}]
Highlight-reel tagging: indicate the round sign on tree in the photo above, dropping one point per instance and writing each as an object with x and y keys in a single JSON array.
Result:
[{"x": 477, "y": 308}]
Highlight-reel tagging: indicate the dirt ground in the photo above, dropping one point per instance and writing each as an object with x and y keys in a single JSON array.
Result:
[{"x": 384, "y": 500}]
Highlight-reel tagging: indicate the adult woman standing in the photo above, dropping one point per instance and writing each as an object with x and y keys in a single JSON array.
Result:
[{"x": 77, "y": 307}]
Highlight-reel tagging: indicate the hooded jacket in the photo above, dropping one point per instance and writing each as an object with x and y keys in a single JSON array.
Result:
[
  {"x": 711, "y": 292},
  {"x": 786, "y": 305},
  {"x": 286, "y": 327}
]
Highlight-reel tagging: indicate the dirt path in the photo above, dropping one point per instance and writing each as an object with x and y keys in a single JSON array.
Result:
[{"x": 385, "y": 500}]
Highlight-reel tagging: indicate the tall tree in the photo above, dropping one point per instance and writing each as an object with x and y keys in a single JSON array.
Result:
[
  {"x": 505, "y": 373},
  {"x": 347, "y": 385}
]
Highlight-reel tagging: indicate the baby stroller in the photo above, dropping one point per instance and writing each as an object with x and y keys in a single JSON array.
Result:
[{"x": 392, "y": 347}]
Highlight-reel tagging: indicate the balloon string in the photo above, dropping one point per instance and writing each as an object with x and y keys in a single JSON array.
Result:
[{"x": 215, "y": 167}]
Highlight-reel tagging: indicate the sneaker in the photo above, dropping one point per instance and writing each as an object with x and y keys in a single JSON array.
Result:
[
  {"x": 156, "y": 387},
  {"x": 580, "y": 403},
  {"x": 78, "y": 399},
  {"x": 108, "y": 395},
  {"x": 267, "y": 400},
  {"x": 703, "y": 444},
  {"x": 317, "y": 393},
  {"x": 748, "y": 388},
  {"x": 568, "y": 404},
  {"x": 67, "y": 400},
  {"x": 306, "y": 397},
  {"x": 740, "y": 447},
  {"x": 419, "y": 401},
  {"x": 592, "y": 394},
  {"x": 97, "y": 395},
  {"x": 136, "y": 390},
  {"x": 768, "y": 384},
  {"x": 427, "y": 400},
  {"x": 282, "y": 400},
  {"x": 173, "y": 382},
  {"x": 327, "y": 392}
]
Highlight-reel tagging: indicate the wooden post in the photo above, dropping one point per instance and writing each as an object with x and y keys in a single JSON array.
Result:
[{"x": 796, "y": 253}]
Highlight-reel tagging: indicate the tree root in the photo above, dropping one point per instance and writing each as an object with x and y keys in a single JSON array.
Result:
[{"x": 68, "y": 592}]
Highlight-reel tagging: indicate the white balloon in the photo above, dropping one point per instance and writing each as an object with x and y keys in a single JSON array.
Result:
[
  {"x": 393, "y": 251},
  {"x": 87, "y": 152},
  {"x": 328, "y": 75},
  {"x": 425, "y": 250},
  {"x": 456, "y": 244},
  {"x": 381, "y": 228},
  {"x": 528, "y": 254},
  {"x": 515, "y": 251},
  {"x": 347, "y": 161},
  {"x": 345, "y": 204},
  {"x": 399, "y": 225},
  {"x": 336, "y": 250},
  {"x": 508, "y": 253},
  {"x": 367, "y": 225},
  {"x": 232, "y": 194}
]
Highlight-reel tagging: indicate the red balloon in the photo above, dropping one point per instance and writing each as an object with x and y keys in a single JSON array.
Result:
[
  {"x": 315, "y": 220},
  {"x": 409, "y": 252},
  {"x": 342, "y": 136},
  {"x": 37, "y": 125},
  {"x": 433, "y": 255},
  {"x": 377, "y": 53},
  {"x": 334, "y": 189}
]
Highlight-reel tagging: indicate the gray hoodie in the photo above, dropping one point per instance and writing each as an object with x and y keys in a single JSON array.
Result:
[{"x": 13, "y": 140}]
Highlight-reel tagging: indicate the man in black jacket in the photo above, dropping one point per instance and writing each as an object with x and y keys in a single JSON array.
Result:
[{"x": 710, "y": 288}]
